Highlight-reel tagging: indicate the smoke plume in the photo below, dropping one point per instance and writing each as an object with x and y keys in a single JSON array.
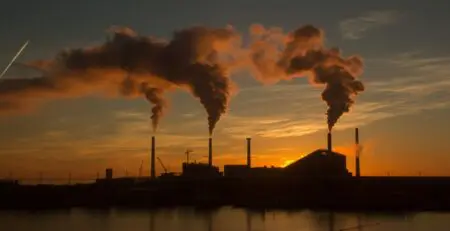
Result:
[
  {"x": 196, "y": 58},
  {"x": 155, "y": 96},
  {"x": 132, "y": 65},
  {"x": 276, "y": 56}
]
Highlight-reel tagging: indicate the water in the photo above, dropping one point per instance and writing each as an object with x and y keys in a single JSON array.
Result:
[{"x": 224, "y": 219}]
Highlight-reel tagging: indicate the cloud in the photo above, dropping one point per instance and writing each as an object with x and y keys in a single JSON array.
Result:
[{"x": 355, "y": 28}]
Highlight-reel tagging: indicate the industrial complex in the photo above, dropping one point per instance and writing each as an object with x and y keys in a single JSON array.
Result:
[
  {"x": 320, "y": 163},
  {"x": 319, "y": 180}
]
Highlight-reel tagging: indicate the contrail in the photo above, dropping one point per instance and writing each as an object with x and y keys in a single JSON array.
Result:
[{"x": 14, "y": 58}]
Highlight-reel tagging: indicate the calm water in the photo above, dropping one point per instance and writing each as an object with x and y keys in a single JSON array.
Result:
[{"x": 187, "y": 219}]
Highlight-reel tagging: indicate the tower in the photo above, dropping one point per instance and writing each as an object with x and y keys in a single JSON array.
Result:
[
  {"x": 357, "y": 164},
  {"x": 152, "y": 160},
  {"x": 210, "y": 152},
  {"x": 329, "y": 144},
  {"x": 249, "y": 155}
]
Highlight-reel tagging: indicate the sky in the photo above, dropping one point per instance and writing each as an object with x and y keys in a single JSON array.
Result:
[{"x": 402, "y": 115}]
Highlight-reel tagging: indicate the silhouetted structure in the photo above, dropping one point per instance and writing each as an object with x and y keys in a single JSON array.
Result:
[
  {"x": 199, "y": 170},
  {"x": 265, "y": 172},
  {"x": 329, "y": 142},
  {"x": 249, "y": 154},
  {"x": 237, "y": 170},
  {"x": 320, "y": 163},
  {"x": 152, "y": 160},
  {"x": 210, "y": 162},
  {"x": 357, "y": 156},
  {"x": 320, "y": 180},
  {"x": 108, "y": 174}
]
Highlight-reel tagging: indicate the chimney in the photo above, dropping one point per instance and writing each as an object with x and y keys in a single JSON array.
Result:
[
  {"x": 329, "y": 142},
  {"x": 249, "y": 154},
  {"x": 357, "y": 164},
  {"x": 210, "y": 152},
  {"x": 152, "y": 160},
  {"x": 357, "y": 136}
]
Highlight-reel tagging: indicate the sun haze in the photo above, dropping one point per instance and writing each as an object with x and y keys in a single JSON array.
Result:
[{"x": 111, "y": 75}]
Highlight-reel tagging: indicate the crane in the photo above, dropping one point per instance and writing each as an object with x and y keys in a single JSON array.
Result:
[
  {"x": 188, "y": 152},
  {"x": 162, "y": 165}
]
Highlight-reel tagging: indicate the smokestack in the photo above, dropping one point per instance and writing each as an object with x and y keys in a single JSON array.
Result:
[
  {"x": 357, "y": 136},
  {"x": 329, "y": 142},
  {"x": 249, "y": 154},
  {"x": 357, "y": 164},
  {"x": 210, "y": 152},
  {"x": 152, "y": 160}
]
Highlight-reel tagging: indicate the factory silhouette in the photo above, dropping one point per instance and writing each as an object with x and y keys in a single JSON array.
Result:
[
  {"x": 320, "y": 163},
  {"x": 133, "y": 65},
  {"x": 319, "y": 180}
]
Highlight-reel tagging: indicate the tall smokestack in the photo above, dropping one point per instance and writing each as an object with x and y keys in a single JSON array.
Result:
[
  {"x": 329, "y": 142},
  {"x": 152, "y": 160},
  {"x": 357, "y": 136},
  {"x": 210, "y": 152},
  {"x": 357, "y": 164},
  {"x": 249, "y": 154}
]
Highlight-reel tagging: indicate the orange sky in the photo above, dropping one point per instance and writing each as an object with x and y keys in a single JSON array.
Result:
[{"x": 402, "y": 115}]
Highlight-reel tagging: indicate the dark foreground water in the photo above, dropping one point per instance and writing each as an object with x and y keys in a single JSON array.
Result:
[{"x": 188, "y": 219}]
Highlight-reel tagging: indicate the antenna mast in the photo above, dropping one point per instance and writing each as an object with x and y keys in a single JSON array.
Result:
[
  {"x": 188, "y": 152},
  {"x": 140, "y": 169}
]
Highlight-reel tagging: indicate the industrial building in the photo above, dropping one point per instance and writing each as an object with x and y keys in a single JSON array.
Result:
[
  {"x": 322, "y": 162},
  {"x": 200, "y": 170},
  {"x": 266, "y": 172},
  {"x": 319, "y": 163},
  {"x": 236, "y": 170},
  {"x": 246, "y": 170}
]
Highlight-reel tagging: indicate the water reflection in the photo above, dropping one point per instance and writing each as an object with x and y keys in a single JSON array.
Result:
[
  {"x": 248, "y": 221},
  {"x": 223, "y": 219},
  {"x": 152, "y": 221}
]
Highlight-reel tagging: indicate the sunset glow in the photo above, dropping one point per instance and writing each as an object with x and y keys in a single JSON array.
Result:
[{"x": 85, "y": 117}]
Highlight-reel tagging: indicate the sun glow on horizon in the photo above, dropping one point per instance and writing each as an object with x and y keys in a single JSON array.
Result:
[{"x": 287, "y": 162}]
